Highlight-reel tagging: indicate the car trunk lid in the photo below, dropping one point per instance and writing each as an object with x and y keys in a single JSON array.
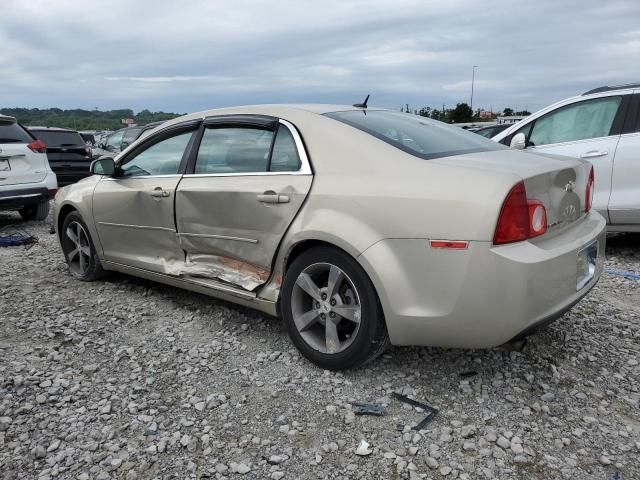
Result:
[{"x": 560, "y": 183}]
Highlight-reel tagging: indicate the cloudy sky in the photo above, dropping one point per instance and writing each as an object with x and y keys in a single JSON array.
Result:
[{"x": 187, "y": 55}]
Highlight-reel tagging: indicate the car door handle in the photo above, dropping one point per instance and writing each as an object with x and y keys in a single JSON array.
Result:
[
  {"x": 272, "y": 197},
  {"x": 159, "y": 193},
  {"x": 593, "y": 154}
]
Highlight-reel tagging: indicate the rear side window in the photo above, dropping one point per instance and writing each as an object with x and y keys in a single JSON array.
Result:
[
  {"x": 416, "y": 135},
  {"x": 234, "y": 150},
  {"x": 53, "y": 138},
  {"x": 13, "y": 133},
  {"x": 578, "y": 121},
  {"x": 285, "y": 153}
]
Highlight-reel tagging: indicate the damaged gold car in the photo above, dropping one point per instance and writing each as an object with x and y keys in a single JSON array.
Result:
[{"x": 361, "y": 227}]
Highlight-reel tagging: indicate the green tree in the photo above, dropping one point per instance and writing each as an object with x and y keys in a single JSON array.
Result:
[
  {"x": 507, "y": 112},
  {"x": 425, "y": 112},
  {"x": 461, "y": 114}
]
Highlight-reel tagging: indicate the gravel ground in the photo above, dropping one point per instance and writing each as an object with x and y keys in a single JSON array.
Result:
[{"x": 130, "y": 379}]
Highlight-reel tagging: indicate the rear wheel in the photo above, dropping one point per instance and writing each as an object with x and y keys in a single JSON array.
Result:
[
  {"x": 39, "y": 211},
  {"x": 331, "y": 310},
  {"x": 78, "y": 249}
]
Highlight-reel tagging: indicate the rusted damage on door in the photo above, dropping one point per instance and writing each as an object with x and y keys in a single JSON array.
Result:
[{"x": 226, "y": 269}]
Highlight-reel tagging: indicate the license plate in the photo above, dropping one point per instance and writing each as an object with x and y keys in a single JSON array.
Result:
[
  {"x": 4, "y": 165},
  {"x": 587, "y": 259}
]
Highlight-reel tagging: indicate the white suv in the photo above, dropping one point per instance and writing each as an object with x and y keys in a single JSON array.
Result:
[
  {"x": 602, "y": 126},
  {"x": 26, "y": 180}
]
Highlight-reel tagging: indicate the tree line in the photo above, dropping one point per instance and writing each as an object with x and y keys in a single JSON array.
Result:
[
  {"x": 79, "y": 119},
  {"x": 462, "y": 113}
]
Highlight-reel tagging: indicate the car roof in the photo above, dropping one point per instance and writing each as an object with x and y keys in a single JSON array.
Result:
[
  {"x": 52, "y": 129},
  {"x": 612, "y": 88},
  {"x": 7, "y": 118}
]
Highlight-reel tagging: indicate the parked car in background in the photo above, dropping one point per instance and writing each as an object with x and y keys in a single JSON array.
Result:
[
  {"x": 491, "y": 130},
  {"x": 603, "y": 127},
  {"x": 26, "y": 180},
  {"x": 121, "y": 139},
  {"x": 378, "y": 228},
  {"x": 68, "y": 154},
  {"x": 89, "y": 138}
]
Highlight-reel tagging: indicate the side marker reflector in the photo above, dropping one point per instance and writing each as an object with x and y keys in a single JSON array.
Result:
[{"x": 449, "y": 244}]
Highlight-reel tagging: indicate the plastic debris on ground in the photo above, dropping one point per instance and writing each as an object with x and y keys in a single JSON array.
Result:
[
  {"x": 11, "y": 236},
  {"x": 363, "y": 449},
  {"x": 368, "y": 408}
]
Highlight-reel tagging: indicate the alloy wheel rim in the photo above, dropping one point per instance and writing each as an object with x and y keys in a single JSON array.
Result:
[
  {"x": 326, "y": 308},
  {"x": 78, "y": 251}
]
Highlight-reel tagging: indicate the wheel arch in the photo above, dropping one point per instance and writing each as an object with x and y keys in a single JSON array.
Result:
[{"x": 65, "y": 210}]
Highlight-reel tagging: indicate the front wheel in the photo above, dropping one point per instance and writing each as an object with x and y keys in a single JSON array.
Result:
[
  {"x": 331, "y": 310},
  {"x": 78, "y": 249}
]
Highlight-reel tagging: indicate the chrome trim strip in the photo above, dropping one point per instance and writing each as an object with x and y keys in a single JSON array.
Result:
[
  {"x": 222, "y": 237},
  {"x": 30, "y": 195},
  {"x": 140, "y": 177},
  {"x": 305, "y": 167},
  {"x": 143, "y": 227}
]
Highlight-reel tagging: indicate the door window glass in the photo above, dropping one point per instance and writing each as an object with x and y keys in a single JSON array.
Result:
[
  {"x": 285, "y": 154},
  {"x": 114, "y": 140},
  {"x": 579, "y": 121},
  {"x": 234, "y": 150},
  {"x": 162, "y": 158}
]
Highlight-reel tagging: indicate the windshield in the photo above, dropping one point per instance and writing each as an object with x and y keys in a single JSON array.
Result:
[
  {"x": 419, "y": 136},
  {"x": 59, "y": 138}
]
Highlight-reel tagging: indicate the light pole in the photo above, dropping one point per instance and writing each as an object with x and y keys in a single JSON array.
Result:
[{"x": 473, "y": 79}]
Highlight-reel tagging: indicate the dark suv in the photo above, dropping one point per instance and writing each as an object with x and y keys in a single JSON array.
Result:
[{"x": 68, "y": 154}]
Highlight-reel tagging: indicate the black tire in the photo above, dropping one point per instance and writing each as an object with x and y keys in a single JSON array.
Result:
[
  {"x": 92, "y": 267},
  {"x": 38, "y": 212},
  {"x": 371, "y": 338}
]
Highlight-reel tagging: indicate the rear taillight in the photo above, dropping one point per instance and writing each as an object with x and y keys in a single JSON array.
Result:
[
  {"x": 588, "y": 196},
  {"x": 37, "y": 146},
  {"x": 520, "y": 218},
  {"x": 52, "y": 192}
]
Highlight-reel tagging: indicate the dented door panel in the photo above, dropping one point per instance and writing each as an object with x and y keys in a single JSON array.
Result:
[
  {"x": 135, "y": 222},
  {"x": 230, "y": 226}
]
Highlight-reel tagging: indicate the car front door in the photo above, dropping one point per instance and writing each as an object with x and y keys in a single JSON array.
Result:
[
  {"x": 134, "y": 209},
  {"x": 624, "y": 205},
  {"x": 243, "y": 188},
  {"x": 587, "y": 129}
]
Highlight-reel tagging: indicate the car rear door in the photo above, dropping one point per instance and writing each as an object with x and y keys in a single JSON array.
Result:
[
  {"x": 245, "y": 184},
  {"x": 588, "y": 129},
  {"x": 624, "y": 204},
  {"x": 134, "y": 210},
  {"x": 18, "y": 163}
]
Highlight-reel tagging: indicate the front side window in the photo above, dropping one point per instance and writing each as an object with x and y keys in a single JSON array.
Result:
[
  {"x": 578, "y": 121},
  {"x": 421, "y": 137},
  {"x": 234, "y": 150},
  {"x": 161, "y": 158}
]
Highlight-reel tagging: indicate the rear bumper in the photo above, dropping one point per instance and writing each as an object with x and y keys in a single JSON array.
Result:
[
  {"x": 483, "y": 296},
  {"x": 70, "y": 173},
  {"x": 12, "y": 199}
]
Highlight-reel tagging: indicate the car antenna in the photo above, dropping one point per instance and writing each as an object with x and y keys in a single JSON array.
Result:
[{"x": 363, "y": 104}]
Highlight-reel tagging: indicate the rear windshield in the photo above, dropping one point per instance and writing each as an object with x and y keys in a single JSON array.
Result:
[
  {"x": 52, "y": 138},
  {"x": 13, "y": 133},
  {"x": 416, "y": 135}
]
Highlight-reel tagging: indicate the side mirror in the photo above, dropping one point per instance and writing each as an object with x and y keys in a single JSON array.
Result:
[
  {"x": 518, "y": 142},
  {"x": 103, "y": 166}
]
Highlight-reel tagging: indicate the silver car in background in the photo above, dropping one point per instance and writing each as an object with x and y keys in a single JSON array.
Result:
[{"x": 360, "y": 227}]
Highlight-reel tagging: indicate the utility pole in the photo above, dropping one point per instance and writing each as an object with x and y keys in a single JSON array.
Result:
[{"x": 473, "y": 79}]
